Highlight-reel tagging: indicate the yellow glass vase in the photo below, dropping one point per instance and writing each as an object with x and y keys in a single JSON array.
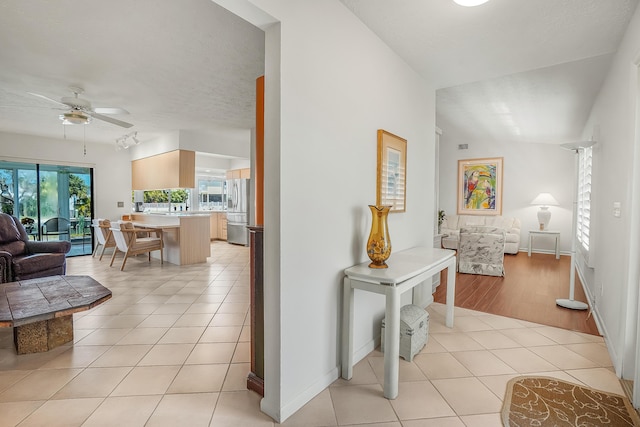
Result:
[{"x": 379, "y": 244}]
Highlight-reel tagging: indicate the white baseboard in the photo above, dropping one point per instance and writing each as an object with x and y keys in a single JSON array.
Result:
[
  {"x": 613, "y": 354},
  {"x": 303, "y": 398},
  {"x": 543, "y": 251},
  {"x": 269, "y": 410},
  {"x": 364, "y": 351}
]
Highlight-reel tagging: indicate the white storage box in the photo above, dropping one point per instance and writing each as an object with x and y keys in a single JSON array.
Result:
[{"x": 414, "y": 331}]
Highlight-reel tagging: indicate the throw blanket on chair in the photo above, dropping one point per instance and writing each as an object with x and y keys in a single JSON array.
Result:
[{"x": 481, "y": 251}]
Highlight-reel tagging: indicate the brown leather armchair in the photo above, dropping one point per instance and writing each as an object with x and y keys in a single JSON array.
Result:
[{"x": 22, "y": 259}]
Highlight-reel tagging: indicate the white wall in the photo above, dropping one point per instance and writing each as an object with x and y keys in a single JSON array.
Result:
[
  {"x": 336, "y": 84},
  {"x": 228, "y": 142},
  {"x": 212, "y": 162},
  {"x": 239, "y": 163},
  {"x": 155, "y": 144},
  {"x": 529, "y": 169},
  {"x": 614, "y": 281},
  {"x": 111, "y": 169},
  {"x": 233, "y": 143}
]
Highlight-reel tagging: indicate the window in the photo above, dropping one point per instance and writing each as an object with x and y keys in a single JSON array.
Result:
[
  {"x": 35, "y": 193},
  {"x": 158, "y": 200},
  {"x": 211, "y": 194},
  {"x": 585, "y": 161}
]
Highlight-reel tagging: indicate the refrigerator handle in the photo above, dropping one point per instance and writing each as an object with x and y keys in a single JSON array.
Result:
[{"x": 235, "y": 202}]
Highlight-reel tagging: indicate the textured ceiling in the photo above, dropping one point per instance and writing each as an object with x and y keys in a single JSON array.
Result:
[
  {"x": 509, "y": 70},
  {"x": 512, "y": 70},
  {"x": 185, "y": 64},
  {"x": 546, "y": 105}
]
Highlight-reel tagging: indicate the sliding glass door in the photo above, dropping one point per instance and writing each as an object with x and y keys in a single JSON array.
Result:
[{"x": 53, "y": 202}]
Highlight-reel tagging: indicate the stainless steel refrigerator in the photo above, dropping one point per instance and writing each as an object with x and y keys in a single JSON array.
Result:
[{"x": 238, "y": 211}]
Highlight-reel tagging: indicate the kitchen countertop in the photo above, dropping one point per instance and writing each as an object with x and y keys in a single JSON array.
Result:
[
  {"x": 177, "y": 213},
  {"x": 186, "y": 237}
]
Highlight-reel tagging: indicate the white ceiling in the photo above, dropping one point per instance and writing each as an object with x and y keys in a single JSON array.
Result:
[
  {"x": 509, "y": 70},
  {"x": 174, "y": 65}
]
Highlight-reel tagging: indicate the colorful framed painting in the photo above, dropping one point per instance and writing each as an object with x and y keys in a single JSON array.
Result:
[
  {"x": 392, "y": 171},
  {"x": 480, "y": 186}
]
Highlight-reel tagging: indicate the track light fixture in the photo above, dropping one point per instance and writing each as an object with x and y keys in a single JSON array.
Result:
[{"x": 126, "y": 141}]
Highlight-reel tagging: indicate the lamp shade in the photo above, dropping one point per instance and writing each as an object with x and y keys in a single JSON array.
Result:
[{"x": 545, "y": 199}]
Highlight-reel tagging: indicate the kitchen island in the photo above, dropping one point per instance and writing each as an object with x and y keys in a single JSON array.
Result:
[{"x": 186, "y": 235}]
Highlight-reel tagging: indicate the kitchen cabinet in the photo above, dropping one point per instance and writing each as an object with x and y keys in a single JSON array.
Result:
[
  {"x": 239, "y": 173},
  {"x": 218, "y": 226},
  {"x": 184, "y": 236},
  {"x": 175, "y": 169},
  {"x": 213, "y": 226},
  {"x": 222, "y": 226}
]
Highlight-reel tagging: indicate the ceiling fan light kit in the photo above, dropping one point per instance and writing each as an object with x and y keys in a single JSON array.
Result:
[{"x": 75, "y": 118}]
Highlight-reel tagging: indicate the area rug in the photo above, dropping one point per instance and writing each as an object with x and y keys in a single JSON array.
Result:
[{"x": 544, "y": 401}]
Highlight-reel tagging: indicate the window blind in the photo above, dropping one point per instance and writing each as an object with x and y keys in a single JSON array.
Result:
[{"x": 584, "y": 197}]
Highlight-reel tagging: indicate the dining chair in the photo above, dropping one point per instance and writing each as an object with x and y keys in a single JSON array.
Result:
[
  {"x": 102, "y": 229},
  {"x": 127, "y": 239}
]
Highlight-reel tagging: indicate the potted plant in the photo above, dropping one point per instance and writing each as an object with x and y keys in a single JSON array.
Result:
[
  {"x": 27, "y": 223},
  {"x": 441, "y": 215}
]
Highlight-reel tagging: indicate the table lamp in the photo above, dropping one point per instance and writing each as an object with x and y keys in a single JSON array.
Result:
[{"x": 544, "y": 200}]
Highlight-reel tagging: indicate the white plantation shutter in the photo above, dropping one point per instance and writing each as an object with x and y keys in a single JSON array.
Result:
[{"x": 584, "y": 197}]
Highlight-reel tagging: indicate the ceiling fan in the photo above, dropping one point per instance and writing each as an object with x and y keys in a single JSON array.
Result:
[{"x": 80, "y": 112}]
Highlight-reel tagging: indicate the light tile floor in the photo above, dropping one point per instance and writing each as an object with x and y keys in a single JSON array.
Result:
[{"x": 171, "y": 348}]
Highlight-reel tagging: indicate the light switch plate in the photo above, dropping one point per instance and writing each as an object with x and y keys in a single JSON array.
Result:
[{"x": 121, "y": 204}]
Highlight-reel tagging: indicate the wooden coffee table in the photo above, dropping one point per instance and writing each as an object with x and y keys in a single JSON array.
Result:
[{"x": 40, "y": 311}]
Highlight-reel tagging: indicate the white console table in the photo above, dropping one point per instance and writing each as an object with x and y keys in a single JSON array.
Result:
[
  {"x": 555, "y": 234},
  {"x": 437, "y": 243},
  {"x": 407, "y": 269}
]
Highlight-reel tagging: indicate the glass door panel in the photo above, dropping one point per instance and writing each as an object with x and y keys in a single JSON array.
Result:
[
  {"x": 52, "y": 202},
  {"x": 80, "y": 209},
  {"x": 49, "y": 205},
  {"x": 7, "y": 191},
  {"x": 27, "y": 192},
  {"x": 18, "y": 194}
]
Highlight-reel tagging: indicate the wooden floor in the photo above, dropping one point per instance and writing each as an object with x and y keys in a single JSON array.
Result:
[{"x": 528, "y": 292}]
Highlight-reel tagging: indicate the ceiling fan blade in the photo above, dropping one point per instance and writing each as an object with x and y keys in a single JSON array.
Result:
[
  {"x": 110, "y": 110},
  {"x": 33, "y": 107},
  {"x": 48, "y": 99},
  {"x": 111, "y": 120}
]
